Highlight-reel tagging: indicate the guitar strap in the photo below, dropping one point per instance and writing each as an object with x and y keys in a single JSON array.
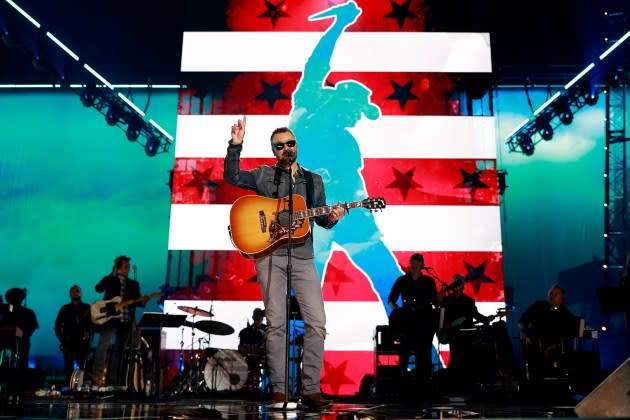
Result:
[
  {"x": 276, "y": 181},
  {"x": 308, "y": 176}
]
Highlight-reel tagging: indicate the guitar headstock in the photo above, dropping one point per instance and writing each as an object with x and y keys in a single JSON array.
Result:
[
  {"x": 503, "y": 312},
  {"x": 373, "y": 203}
]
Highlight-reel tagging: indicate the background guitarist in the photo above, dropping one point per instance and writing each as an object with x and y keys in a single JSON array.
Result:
[
  {"x": 416, "y": 322},
  {"x": 117, "y": 283},
  {"x": 271, "y": 270}
]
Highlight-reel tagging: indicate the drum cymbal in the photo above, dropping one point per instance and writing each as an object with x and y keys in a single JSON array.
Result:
[
  {"x": 214, "y": 327},
  {"x": 195, "y": 311}
]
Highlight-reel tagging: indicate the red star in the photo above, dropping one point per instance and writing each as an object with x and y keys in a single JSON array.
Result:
[
  {"x": 337, "y": 276},
  {"x": 201, "y": 180},
  {"x": 335, "y": 376},
  {"x": 404, "y": 181}
]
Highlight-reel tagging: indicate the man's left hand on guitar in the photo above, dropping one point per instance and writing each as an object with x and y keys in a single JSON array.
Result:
[{"x": 337, "y": 213}]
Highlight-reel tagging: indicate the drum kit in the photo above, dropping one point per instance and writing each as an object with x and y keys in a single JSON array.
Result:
[{"x": 208, "y": 369}]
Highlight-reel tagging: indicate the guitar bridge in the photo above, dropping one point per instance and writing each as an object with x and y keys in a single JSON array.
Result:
[
  {"x": 263, "y": 221},
  {"x": 277, "y": 230}
]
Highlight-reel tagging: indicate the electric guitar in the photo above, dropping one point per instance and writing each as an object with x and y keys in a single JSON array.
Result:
[
  {"x": 104, "y": 310},
  {"x": 259, "y": 225}
]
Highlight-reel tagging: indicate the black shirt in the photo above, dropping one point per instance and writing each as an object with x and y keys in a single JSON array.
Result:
[{"x": 73, "y": 323}]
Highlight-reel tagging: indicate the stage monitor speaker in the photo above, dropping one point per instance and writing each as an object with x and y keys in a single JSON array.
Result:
[{"x": 611, "y": 398}]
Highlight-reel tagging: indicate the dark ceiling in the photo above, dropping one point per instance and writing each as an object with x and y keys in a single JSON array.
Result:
[{"x": 139, "y": 41}]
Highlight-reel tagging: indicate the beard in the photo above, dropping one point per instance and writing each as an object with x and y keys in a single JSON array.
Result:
[{"x": 284, "y": 160}]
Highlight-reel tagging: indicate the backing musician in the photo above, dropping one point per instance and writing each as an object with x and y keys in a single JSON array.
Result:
[
  {"x": 116, "y": 284},
  {"x": 73, "y": 328},
  {"x": 252, "y": 347},
  {"x": 416, "y": 322},
  {"x": 475, "y": 344}
]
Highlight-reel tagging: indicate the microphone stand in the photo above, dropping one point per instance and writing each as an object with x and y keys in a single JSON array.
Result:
[{"x": 288, "y": 292}]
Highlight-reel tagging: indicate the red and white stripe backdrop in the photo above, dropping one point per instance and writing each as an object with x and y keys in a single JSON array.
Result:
[{"x": 436, "y": 171}]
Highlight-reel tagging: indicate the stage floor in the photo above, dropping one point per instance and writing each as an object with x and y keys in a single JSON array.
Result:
[{"x": 114, "y": 407}]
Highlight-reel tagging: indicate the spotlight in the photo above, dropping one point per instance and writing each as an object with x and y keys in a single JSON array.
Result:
[
  {"x": 152, "y": 145},
  {"x": 545, "y": 129},
  {"x": 112, "y": 114},
  {"x": 564, "y": 112},
  {"x": 38, "y": 64},
  {"x": 88, "y": 95},
  {"x": 527, "y": 145},
  {"x": 133, "y": 129},
  {"x": 591, "y": 98}
]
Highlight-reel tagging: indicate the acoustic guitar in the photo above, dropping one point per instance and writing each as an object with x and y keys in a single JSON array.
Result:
[
  {"x": 259, "y": 225},
  {"x": 104, "y": 310}
]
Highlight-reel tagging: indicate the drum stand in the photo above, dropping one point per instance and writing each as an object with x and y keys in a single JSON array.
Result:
[{"x": 192, "y": 380}]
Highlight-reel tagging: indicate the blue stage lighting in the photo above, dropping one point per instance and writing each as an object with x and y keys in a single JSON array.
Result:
[
  {"x": 133, "y": 129},
  {"x": 112, "y": 114},
  {"x": 152, "y": 145},
  {"x": 526, "y": 143}
]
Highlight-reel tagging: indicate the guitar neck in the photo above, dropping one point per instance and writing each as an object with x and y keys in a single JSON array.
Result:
[
  {"x": 319, "y": 211},
  {"x": 132, "y": 301}
]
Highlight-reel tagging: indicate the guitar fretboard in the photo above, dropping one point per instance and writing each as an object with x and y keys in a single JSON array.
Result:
[{"x": 318, "y": 211}]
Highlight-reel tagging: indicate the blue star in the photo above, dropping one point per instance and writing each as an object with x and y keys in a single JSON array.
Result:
[
  {"x": 400, "y": 12},
  {"x": 402, "y": 93},
  {"x": 476, "y": 275},
  {"x": 274, "y": 11},
  {"x": 471, "y": 180},
  {"x": 271, "y": 93}
]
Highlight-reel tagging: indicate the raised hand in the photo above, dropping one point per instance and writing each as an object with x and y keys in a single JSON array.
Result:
[{"x": 238, "y": 131}]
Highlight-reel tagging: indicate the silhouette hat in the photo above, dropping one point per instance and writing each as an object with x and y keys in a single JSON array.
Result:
[{"x": 360, "y": 94}]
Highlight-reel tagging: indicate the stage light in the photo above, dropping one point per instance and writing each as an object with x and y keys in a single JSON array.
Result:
[
  {"x": 88, "y": 95},
  {"x": 564, "y": 112},
  {"x": 133, "y": 129},
  {"x": 545, "y": 128},
  {"x": 152, "y": 145},
  {"x": 526, "y": 143},
  {"x": 112, "y": 114},
  {"x": 591, "y": 98}
]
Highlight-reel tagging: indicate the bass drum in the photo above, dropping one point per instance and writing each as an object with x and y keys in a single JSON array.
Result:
[
  {"x": 225, "y": 370},
  {"x": 76, "y": 380}
]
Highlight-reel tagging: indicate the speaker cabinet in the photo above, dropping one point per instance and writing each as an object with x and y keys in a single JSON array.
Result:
[{"x": 611, "y": 398}]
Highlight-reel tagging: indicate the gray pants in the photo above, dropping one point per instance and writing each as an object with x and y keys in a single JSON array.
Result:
[{"x": 271, "y": 273}]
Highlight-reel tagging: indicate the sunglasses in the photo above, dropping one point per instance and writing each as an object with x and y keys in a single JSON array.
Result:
[{"x": 280, "y": 146}]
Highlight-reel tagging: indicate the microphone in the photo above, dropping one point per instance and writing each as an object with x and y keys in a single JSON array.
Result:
[{"x": 427, "y": 268}]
